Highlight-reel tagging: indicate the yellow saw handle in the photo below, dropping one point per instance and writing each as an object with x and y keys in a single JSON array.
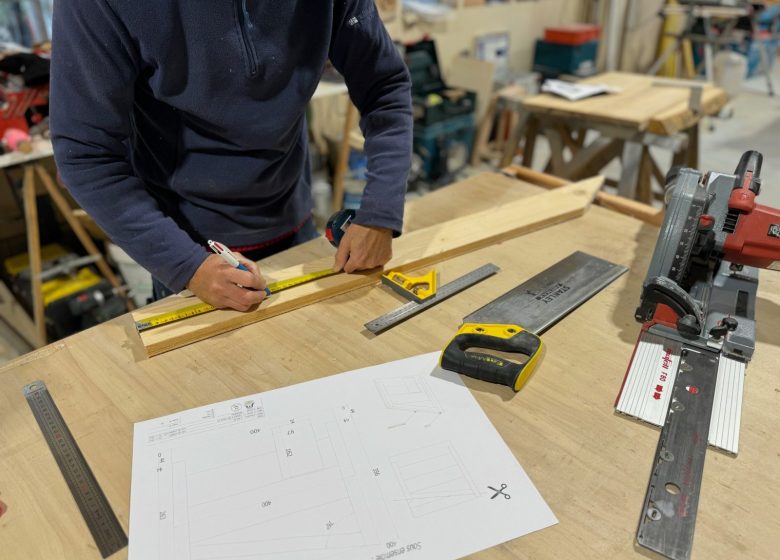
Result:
[{"x": 511, "y": 339}]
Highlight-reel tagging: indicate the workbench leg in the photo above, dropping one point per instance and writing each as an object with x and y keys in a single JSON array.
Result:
[
  {"x": 644, "y": 180},
  {"x": 483, "y": 132},
  {"x": 629, "y": 174},
  {"x": 341, "y": 165},
  {"x": 530, "y": 141},
  {"x": 556, "y": 150},
  {"x": 34, "y": 251},
  {"x": 86, "y": 241},
  {"x": 568, "y": 139},
  {"x": 510, "y": 148},
  {"x": 592, "y": 158}
]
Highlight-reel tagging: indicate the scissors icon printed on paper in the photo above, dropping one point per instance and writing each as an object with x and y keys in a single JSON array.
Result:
[{"x": 499, "y": 491}]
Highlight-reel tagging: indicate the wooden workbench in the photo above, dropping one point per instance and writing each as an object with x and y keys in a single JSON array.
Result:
[
  {"x": 591, "y": 465},
  {"x": 646, "y": 111}
]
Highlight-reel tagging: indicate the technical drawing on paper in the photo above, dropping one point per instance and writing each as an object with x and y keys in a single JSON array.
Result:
[
  {"x": 432, "y": 479},
  {"x": 411, "y": 395},
  {"x": 311, "y": 471}
]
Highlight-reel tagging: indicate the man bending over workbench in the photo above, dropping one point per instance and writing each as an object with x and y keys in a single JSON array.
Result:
[{"x": 176, "y": 121}]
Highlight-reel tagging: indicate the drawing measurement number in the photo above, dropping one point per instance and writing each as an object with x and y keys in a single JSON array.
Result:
[
  {"x": 254, "y": 431},
  {"x": 266, "y": 503},
  {"x": 289, "y": 452},
  {"x": 376, "y": 472},
  {"x": 163, "y": 515},
  {"x": 329, "y": 525}
]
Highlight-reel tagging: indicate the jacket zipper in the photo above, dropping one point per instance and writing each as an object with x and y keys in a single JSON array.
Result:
[{"x": 249, "y": 49}]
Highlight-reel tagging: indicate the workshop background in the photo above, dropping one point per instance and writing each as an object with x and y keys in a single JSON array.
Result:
[{"x": 478, "y": 67}]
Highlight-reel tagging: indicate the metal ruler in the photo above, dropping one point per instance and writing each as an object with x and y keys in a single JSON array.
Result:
[
  {"x": 447, "y": 290},
  {"x": 668, "y": 518},
  {"x": 201, "y": 308},
  {"x": 100, "y": 518}
]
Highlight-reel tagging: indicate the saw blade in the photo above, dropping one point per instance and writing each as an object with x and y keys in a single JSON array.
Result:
[{"x": 540, "y": 302}]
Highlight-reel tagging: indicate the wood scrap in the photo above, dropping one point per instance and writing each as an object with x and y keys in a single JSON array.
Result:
[
  {"x": 413, "y": 250},
  {"x": 627, "y": 206}
]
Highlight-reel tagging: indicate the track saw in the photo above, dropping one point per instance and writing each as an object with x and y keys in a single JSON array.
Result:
[{"x": 697, "y": 310}]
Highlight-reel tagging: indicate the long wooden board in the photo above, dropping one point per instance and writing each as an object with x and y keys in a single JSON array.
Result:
[
  {"x": 413, "y": 250},
  {"x": 627, "y": 206}
]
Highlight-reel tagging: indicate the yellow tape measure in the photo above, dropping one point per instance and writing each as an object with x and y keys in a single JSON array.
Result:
[
  {"x": 274, "y": 287},
  {"x": 201, "y": 308}
]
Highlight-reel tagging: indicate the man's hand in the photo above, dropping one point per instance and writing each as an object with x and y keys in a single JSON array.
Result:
[
  {"x": 221, "y": 285},
  {"x": 363, "y": 247}
]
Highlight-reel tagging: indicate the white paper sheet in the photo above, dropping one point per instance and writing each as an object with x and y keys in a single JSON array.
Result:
[{"x": 388, "y": 461}]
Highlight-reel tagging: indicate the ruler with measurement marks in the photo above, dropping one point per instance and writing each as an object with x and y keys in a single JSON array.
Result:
[
  {"x": 201, "y": 308},
  {"x": 447, "y": 290},
  {"x": 98, "y": 515}
]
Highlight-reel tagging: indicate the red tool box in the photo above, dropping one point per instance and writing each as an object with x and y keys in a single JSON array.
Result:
[{"x": 574, "y": 34}]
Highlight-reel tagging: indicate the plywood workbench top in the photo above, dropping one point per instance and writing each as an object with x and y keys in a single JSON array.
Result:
[
  {"x": 589, "y": 464},
  {"x": 644, "y": 103}
]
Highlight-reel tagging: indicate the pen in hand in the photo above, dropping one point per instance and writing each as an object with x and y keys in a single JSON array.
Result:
[{"x": 230, "y": 258}]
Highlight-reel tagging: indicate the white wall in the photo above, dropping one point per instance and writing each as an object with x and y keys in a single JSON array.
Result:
[{"x": 525, "y": 21}]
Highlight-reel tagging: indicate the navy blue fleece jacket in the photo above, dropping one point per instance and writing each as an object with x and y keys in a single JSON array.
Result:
[{"x": 178, "y": 121}]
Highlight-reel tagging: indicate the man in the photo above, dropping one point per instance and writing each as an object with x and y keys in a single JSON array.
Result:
[{"x": 179, "y": 121}]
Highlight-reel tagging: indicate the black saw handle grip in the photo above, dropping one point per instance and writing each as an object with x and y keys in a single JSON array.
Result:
[
  {"x": 510, "y": 339},
  {"x": 749, "y": 167}
]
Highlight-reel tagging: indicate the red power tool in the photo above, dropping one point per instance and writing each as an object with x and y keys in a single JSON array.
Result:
[
  {"x": 697, "y": 311},
  {"x": 702, "y": 270}
]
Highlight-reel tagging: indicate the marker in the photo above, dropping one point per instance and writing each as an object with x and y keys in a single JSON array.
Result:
[{"x": 230, "y": 258}]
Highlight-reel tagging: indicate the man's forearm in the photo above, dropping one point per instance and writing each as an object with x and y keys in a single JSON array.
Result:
[{"x": 380, "y": 86}]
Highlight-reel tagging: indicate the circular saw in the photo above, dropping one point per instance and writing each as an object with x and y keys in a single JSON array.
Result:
[{"x": 702, "y": 279}]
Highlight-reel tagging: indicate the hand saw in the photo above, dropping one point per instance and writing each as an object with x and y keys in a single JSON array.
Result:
[{"x": 491, "y": 339}]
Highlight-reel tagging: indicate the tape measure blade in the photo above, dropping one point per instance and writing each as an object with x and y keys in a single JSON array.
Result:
[
  {"x": 201, "y": 308},
  {"x": 89, "y": 497},
  {"x": 280, "y": 285},
  {"x": 173, "y": 316}
]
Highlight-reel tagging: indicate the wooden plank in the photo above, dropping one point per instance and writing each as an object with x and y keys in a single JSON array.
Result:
[
  {"x": 556, "y": 149},
  {"x": 678, "y": 116},
  {"x": 17, "y": 317},
  {"x": 630, "y": 161},
  {"x": 597, "y": 154},
  {"x": 531, "y": 132},
  {"x": 413, "y": 250},
  {"x": 34, "y": 251},
  {"x": 476, "y": 75},
  {"x": 483, "y": 132},
  {"x": 627, "y": 206},
  {"x": 644, "y": 191}
]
